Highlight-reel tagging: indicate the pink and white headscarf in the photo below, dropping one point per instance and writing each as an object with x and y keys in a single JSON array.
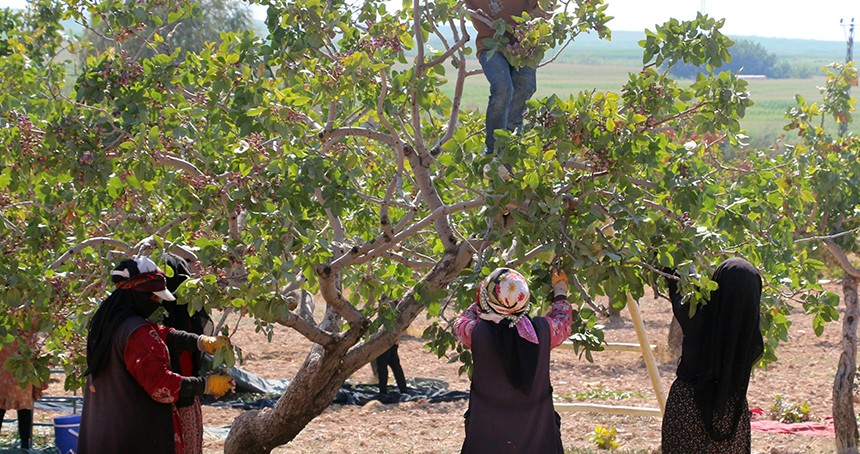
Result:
[{"x": 504, "y": 295}]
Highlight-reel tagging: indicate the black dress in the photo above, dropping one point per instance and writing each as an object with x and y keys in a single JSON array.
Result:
[{"x": 722, "y": 341}]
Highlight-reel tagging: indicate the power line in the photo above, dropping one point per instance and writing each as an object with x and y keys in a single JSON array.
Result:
[
  {"x": 849, "y": 57},
  {"x": 849, "y": 54}
]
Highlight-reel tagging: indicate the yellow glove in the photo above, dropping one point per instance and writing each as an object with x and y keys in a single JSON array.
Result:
[
  {"x": 218, "y": 384},
  {"x": 559, "y": 282},
  {"x": 211, "y": 344}
]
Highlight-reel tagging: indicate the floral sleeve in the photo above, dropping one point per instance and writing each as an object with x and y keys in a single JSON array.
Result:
[
  {"x": 147, "y": 360},
  {"x": 560, "y": 321},
  {"x": 465, "y": 323}
]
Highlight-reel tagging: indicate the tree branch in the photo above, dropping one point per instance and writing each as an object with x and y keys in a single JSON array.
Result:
[
  {"x": 87, "y": 243},
  {"x": 455, "y": 106},
  {"x": 480, "y": 15},
  {"x": 441, "y": 59},
  {"x": 840, "y": 257},
  {"x": 410, "y": 263},
  {"x": 307, "y": 329},
  {"x": 329, "y": 288},
  {"x": 827, "y": 237},
  {"x": 375, "y": 247}
]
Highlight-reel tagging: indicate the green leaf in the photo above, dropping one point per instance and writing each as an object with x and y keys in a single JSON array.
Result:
[
  {"x": 153, "y": 136},
  {"x": 5, "y": 177},
  {"x": 434, "y": 308}
]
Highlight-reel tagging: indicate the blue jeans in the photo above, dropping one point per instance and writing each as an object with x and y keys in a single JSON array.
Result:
[{"x": 510, "y": 88}]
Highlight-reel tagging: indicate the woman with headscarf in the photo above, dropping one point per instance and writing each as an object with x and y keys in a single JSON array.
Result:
[
  {"x": 188, "y": 363},
  {"x": 510, "y": 404},
  {"x": 707, "y": 410},
  {"x": 130, "y": 389}
]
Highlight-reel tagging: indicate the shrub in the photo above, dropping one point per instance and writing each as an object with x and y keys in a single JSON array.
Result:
[
  {"x": 790, "y": 412},
  {"x": 604, "y": 437}
]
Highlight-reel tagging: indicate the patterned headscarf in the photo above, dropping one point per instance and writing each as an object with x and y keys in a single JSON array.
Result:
[
  {"x": 141, "y": 274},
  {"x": 504, "y": 295}
]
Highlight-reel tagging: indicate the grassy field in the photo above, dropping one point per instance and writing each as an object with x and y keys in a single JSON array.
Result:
[{"x": 763, "y": 121}]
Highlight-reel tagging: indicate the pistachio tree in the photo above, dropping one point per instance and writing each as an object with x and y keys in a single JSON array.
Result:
[
  {"x": 825, "y": 213},
  {"x": 327, "y": 158}
]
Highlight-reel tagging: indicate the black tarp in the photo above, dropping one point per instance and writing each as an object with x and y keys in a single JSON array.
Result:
[{"x": 255, "y": 392}]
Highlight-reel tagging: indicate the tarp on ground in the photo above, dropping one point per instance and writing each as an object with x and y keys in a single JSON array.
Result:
[
  {"x": 254, "y": 392},
  {"x": 800, "y": 428}
]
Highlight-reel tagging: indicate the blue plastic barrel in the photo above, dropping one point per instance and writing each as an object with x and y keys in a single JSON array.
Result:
[{"x": 66, "y": 429}]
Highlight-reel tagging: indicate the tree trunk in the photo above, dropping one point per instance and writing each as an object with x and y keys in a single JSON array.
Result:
[
  {"x": 615, "y": 318},
  {"x": 844, "y": 418},
  {"x": 308, "y": 395},
  {"x": 325, "y": 369}
]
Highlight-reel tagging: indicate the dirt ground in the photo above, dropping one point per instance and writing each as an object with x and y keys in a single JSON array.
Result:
[{"x": 804, "y": 373}]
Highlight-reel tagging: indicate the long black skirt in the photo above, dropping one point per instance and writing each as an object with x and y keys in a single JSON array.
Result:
[{"x": 684, "y": 430}]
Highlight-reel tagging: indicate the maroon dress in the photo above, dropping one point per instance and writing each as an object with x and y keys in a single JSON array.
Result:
[{"x": 501, "y": 418}]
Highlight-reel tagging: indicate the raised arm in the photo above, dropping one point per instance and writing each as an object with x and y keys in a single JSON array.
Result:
[{"x": 560, "y": 317}]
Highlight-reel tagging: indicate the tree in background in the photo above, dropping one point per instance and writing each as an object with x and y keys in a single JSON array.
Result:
[
  {"x": 323, "y": 158},
  {"x": 747, "y": 58},
  {"x": 188, "y": 30},
  {"x": 824, "y": 174}
]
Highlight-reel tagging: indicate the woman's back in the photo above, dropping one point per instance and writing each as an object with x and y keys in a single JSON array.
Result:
[{"x": 502, "y": 418}]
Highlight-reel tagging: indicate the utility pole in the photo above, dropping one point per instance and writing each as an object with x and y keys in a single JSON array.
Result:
[{"x": 849, "y": 57}]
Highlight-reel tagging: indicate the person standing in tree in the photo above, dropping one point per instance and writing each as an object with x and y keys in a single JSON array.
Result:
[
  {"x": 510, "y": 87},
  {"x": 510, "y": 403}
]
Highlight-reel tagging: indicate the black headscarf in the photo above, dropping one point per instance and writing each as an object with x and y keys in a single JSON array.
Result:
[
  {"x": 118, "y": 306},
  {"x": 519, "y": 357},
  {"x": 731, "y": 343},
  {"x": 177, "y": 314}
]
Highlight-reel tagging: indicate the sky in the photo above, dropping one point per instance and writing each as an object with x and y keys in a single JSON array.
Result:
[{"x": 817, "y": 19}]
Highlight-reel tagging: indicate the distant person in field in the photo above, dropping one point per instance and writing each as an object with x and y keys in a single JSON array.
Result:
[
  {"x": 510, "y": 404},
  {"x": 130, "y": 390},
  {"x": 189, "y": 363},
  {"x": 510, "y": 87},
  {"x": 390, "y": 358},
  {"x": 707, "y": 408}
]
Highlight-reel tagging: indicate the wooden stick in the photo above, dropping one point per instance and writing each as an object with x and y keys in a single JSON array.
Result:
[{"x": 650, "y": 362}]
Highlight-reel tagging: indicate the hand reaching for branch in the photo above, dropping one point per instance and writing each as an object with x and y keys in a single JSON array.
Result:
[
  {"x": 211, "y": 344},
  {"x": 559, "y": 282},
  {"x": 479, "y": 14}
]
